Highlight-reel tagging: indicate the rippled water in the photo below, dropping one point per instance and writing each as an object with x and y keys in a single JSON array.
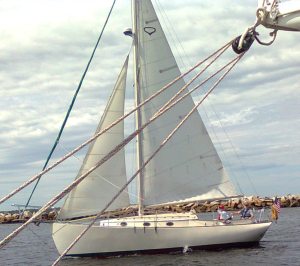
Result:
[{"x": 280, "y": 246}]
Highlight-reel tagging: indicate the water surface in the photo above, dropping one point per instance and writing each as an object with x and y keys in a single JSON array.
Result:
[{"x": 280, "y": 246}]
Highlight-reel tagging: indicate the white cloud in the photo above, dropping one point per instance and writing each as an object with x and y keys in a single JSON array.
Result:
[
  {"x": 243, "y": 117},
  {"x": 45, "y": 47}
]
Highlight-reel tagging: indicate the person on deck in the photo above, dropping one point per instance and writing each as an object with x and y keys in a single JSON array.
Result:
[
  {"x": 246, "y": 212},
  {"x": 223, "y": 215}
]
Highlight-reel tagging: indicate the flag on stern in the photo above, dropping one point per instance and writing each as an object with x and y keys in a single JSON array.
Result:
[{"x": 275, "y": 209}]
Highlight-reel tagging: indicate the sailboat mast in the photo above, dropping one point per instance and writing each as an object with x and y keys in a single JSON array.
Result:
[{"x": 135, "y": 15}]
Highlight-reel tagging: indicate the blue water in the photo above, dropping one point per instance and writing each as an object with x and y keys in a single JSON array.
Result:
[{"x": 280, "y": 246}]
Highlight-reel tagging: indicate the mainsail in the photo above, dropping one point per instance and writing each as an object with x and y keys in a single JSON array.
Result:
[
  {"x": 91, "y": 195},
  {"x": 188, "y": 166}
]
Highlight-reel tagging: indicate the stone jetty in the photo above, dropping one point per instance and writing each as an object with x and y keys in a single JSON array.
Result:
[
  {"x": 212, "y": 206},
  {"x": 17, "y": 217},
  {"x": 198, "y": 207}
]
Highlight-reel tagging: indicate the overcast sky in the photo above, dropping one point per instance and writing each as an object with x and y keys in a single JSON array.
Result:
[{"x": 253, "y": 117}]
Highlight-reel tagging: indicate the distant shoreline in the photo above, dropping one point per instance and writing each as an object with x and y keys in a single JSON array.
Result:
[{"x": 20, "y": 216}]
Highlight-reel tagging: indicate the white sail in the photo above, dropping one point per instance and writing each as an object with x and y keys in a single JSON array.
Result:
[
  {"x": 188, "y": 166},
  {"x": 93, "y": 193}
]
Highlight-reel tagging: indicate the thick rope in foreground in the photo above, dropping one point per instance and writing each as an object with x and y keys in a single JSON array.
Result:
[
  {"x": 32, "y": 179},
  {"x": 196, "y": 87},
  {"x": 235, "y": 61},
  {"x": 80, "y": 179},
  {"x": 195, "y": 77}
]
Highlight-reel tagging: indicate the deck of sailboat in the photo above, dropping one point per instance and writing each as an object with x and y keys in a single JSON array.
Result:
[{"x": 163, "y": 220}]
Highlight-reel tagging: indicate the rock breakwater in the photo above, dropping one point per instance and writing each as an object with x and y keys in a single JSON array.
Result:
[{"x": 198, "y": 207}]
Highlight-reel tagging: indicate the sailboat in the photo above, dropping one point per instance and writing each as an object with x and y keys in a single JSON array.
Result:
[{"x": 187, "y": 169}]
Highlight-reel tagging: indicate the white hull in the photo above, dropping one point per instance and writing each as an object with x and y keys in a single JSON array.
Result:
[{"x": 110, "y": 238}]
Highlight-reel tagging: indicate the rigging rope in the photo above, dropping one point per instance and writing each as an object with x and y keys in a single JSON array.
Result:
[
  {"x": 194, "y": 78},
  {"x": 103, "y": 178},
  {"x": 33, "y": 178},
  {"x": 59, "y": 196},
  {"x": 163, "y": 143},
  {"x": 71, "y": 105}
]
